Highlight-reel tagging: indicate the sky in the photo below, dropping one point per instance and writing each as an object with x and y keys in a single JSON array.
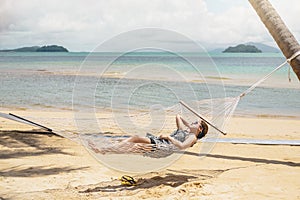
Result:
[{"x": 82, "y": 25}]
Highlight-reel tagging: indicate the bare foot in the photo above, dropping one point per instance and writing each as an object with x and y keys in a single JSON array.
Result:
[{"x": 94, "y": 148}]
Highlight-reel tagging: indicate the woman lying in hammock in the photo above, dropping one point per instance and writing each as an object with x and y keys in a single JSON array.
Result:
[{"x": 185, "y": 136}]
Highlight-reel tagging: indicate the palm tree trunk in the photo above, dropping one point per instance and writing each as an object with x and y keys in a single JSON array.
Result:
[{"x": 279, "y": 31}]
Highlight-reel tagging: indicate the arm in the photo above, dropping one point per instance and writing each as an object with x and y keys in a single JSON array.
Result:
[
  {"x": 179, "y": 121},
  {"x": 182, "y": 145}
]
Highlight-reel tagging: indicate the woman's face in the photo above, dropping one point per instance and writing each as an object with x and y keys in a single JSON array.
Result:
[{"x": 196, "y": 126}]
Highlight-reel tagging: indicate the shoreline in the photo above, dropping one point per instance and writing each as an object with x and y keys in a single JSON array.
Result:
[{"x": 40, "y": 109}]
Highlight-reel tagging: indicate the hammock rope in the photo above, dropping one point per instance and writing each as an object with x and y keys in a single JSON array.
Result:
[{"x": 289, "y": 60}]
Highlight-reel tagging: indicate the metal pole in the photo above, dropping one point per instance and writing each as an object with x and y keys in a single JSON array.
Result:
[
  {"x": 36, "y": 124},
  {"x": 198, "y": 115}
]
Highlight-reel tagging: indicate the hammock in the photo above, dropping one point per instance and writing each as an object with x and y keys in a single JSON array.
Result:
[{"x": 216, "y": 112}]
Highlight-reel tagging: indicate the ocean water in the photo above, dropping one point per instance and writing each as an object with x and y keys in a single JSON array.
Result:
[{"x": 66, "y": 81}]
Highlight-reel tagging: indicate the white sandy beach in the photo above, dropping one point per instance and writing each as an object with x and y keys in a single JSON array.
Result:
[{"x": 41, "y": 166}]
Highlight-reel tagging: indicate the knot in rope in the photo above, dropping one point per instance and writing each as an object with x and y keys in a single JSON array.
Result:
[{"x": 289, "y": 60}]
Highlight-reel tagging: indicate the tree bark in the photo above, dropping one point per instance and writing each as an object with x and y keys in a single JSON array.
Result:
[{"x": 279, "y": 31}]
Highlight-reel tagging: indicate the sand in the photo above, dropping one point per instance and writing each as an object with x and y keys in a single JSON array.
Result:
[{"x": 35, "y": 165}]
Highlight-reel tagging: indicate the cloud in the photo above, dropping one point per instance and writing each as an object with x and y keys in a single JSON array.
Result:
[{"x": 82, "y": 25}]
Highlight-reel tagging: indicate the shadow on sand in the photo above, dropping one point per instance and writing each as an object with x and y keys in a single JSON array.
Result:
[
  {"x": 249, "y": 159},
  {"x": 172, "y": 178},
  {"x": 36, "y": 171},
  {"x": 24, "y": 144}
]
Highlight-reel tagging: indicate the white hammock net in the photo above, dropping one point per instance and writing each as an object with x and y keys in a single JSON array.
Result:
[
  {"x": 162, "y": 121},
  {"x": 114, "y": 128}
]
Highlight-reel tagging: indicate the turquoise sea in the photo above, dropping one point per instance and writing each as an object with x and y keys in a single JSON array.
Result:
[{"x": 49, "y": 81}]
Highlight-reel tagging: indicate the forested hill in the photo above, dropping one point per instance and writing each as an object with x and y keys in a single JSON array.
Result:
[
  {"x": 242, "y": 48},
  {"x": 50, "y": 48}
]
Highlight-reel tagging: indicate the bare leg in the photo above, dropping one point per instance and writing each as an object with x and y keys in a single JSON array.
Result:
[
  {"x": 137, "y": 139},
  {"x": 136, "y": 142}
]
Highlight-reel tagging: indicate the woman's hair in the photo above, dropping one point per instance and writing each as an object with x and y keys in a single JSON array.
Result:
[{"x": 204, "y": 130}]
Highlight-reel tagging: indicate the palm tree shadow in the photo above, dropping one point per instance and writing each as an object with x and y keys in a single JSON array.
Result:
[
  {"x": 36, "y": 171},
  {"x": 20, "y": 144}
]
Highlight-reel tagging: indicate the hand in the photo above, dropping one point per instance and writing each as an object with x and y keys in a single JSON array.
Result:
[{"x": 166, "y": 137}]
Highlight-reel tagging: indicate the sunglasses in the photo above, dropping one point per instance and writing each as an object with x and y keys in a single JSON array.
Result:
[{"x": 197, "y": 122}]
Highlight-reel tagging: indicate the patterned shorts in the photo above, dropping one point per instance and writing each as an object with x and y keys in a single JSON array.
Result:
[{"x": 162, "y": 148}]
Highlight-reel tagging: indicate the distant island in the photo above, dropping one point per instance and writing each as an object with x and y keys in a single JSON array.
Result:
[
  {"x": 49, "y": 48},
  {"x": 263, "y": 47},
  {"x": 242, "y": 48}
]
